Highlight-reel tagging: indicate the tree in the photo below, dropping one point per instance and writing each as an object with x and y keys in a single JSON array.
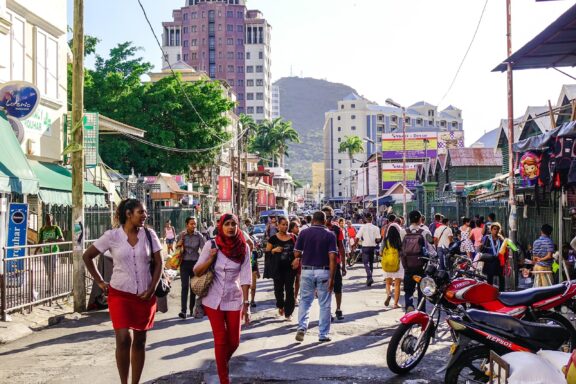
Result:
[
  {"x": 272, "y": 139},
  {"x": 352, "y": 145},
  {"x": 161, "y": 109}
]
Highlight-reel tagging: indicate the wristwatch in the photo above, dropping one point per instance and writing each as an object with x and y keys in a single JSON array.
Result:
[{"x": 246, "y": 302}]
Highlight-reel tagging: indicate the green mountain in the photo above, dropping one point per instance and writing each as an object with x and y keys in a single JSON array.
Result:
[{"x": 304, "y": 102}]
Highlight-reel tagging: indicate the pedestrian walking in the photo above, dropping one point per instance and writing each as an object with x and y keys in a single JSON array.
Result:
[
  {"x": 169, "y": 236},
  {"x": 542, "y": 251},
  {"x": 393, "y": 270},
  {"x": 466, "y": 245},
  {"x": 192, "y": 242},
  {"x": 131, "y": 300},
  {"x": 436, "y": 223},
  {"x": 294, "y": 229},
  {"x": 281, "y": 246},
  {"x": 442, "y": 238},
  {"x": 49, "y": 234},
  {"x": 340, "y": 259},
  {"x": 316, "y": 251},
  {"x": 489, "y": 255},
  {"x": 369, "y": 234},
  {"x": 476, "y": 234},
  {"x": 271, "y": 227},
  {"x": 227, "y": 300}
]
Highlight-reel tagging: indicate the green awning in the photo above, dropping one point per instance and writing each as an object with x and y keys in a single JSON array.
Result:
[
  {"x": 56, "y": 186},
  {"x": 15, "y": 173}
]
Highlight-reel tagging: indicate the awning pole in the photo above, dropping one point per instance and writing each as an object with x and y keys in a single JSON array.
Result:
[{"x": 560, "y": 235}]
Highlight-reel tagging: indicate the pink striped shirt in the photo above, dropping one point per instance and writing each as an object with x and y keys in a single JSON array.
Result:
[{"x": 229, "y": 277}]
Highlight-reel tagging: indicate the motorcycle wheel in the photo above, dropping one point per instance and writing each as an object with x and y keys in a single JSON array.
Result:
[
  {"x": 403, "y": 354},
  {"x": 557, "y": 318},
  {"x": 468, "y": 367}
]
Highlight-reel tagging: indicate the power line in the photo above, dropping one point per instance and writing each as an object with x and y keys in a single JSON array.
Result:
[
  {"x": 465, "y": 54},
  {"x": 174, "y": 73}
]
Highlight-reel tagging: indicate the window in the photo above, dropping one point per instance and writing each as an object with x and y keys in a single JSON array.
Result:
[
  {"x": 185, "y": 57},
  {"x": 340, "y": 193},
  {"x": 229, "y": 13},
  {"x": 339, "y": 129},
  {"x": 247, "y": 55},
  {"x": 407, "y": 121},
  {"x": 240, "y": 109},
  {"x": 219, "y": 27},
  {"x": 260, "y": 55},
  {"x": 212, "y": 70},
  {"x": 185, "y": 16},
  {"x": 240, "y": 55},
  {"x": 239, "y": 42},
  {"x": 340, "y": 172},
  {"x": 240, "y": 82},
  {"x": 194, "y": 55},
  {"x": 431, "y": 112},
  {"x": 352, "y": 105},
  {"x": 178, "y": 57},
  {"x": 231, "y": 82},
  {"x": 230, "y": 68},
  {"x": 259, "y": 69},
  {"x": 249, "y": 96},
  {"x": 443, "y": 123},
  {"x": 339, "y": 139},
  {"x": 17, "y": 31},
  {"x": 430, "y": 122},
  {"x": 380, "y": 117},
  {"x": 240, "y": 14},
  {"x": 203, "y": 28},
  {"x": 339, "y": 161},
  {"x": 47, "y": 64},
  {"x": 353, "y": 128},
  {"x": 229, "y": 28},
  {"x": 185, "y": 30},
  {"x": 353, "y": 117},
  {"x": 259, "y": 82},
  {"x": 220, "y": 55},
  {"x": 249, "y": 83},
  {"x": 380, "y": 128},
  {"x": 194, "y": 15},
  {"x": 239, "y": 28},
  {"x": 220, "y": 68},
  {"x": 250, "y": 109},
  {"x": 193, "y": 42},
  {"x": 230, "y": 55},
  {"x": 394, "y": 119},
  {"x": 203, "y": 14},
  {"x": 259, "y": 109},
  {"x": 240, "y": 96},
  {"x": 454, "y": 124},
  {"x": 338, "y": 118},
  {"x": 229, "y": 41},
  {"x": 249, "y": 69},
  {"x": 240, "y": 69},
  {"x": 193, "y": 29},
  {"x": 185, "y": 43},
  {"x": 342, "y": 106},
  {"x": 259, "y": 96},
  {"x": 418, "y": 121}
]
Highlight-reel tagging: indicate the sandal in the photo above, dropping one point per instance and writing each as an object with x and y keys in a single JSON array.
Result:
[{"x": 387, "y": 301}]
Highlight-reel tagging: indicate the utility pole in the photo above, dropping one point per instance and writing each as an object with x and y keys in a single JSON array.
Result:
[
  {"x": 239, "y": 173},
  {"x": 510, "y": 89},
  {"x": 79, "y": 275}
]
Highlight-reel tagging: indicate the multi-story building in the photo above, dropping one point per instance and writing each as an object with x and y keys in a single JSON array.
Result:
[
  {"x": 258, "y": 67},
  {"x": 209, "y": 36},
  {"x": 357, "y": 116},
  {"x": 275, "y": 101}
]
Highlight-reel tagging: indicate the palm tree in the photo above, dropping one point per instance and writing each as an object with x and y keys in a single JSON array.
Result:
[
  {"x": 351, "y": 145},
  {"x": 283, "y": 133}
]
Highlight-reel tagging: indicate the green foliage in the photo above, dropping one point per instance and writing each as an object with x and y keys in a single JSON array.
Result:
[
  {"x": 115, "y": 90},
  {"x": 272, "y": 138},
  {"x": 351, "y": 145}
]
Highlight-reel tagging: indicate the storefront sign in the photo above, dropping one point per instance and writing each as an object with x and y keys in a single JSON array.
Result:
[
  {"x": 40, "y": 121},
  {"x": 393, "y": 173},
  {"x": 450, "y": 140},
  {"x": 17, "y": 127},
  {"x": 19, "y": 99},
  {"x": 419, "y": 145},
  {"x": 90, "y": 140},
  {"x": 271, "y": 200},
  {"x": 17, "y": 235},
  {"x": 224, "y": 188},
  {"x": 262, "y": 198}
]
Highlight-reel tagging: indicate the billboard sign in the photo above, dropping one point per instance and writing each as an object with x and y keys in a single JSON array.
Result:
[
  {"x": 224, "y": 188},
  {"x": 450, "y": 140},
  {"x": 17, "y": 235},
  {"x": 392, "y": 173},
  {"x": 262, "y": 198},
  {"x": 419, "y": 145}
]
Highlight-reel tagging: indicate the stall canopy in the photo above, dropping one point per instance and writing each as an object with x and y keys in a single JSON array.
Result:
[
  {"x": 56, "y": 186},
  {"x": 542, "y": 141},
  {"x": 15, "y": 173},
  {"x": 554, "y": 47}
]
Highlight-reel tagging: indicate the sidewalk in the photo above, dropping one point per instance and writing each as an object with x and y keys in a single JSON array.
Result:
[{"x": 181, "y": 351}]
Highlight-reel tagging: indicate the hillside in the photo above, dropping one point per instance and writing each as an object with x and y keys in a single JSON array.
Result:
[{"x": 304, "y": 102}]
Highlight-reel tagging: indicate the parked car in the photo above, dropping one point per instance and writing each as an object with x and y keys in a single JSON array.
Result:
[{"x": 258, "y": 232}]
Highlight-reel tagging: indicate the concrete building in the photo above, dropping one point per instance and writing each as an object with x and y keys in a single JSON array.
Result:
[
  {"x": 356, "y": 116},
  {"x": 275, "y": 101},
  {"x": 209, "y": 36},
  {"x": 258, "y": 67},
  {"x": 318, "y": 183}
]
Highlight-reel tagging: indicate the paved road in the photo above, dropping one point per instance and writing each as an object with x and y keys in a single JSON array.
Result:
[{"x": 181, "y": 351}]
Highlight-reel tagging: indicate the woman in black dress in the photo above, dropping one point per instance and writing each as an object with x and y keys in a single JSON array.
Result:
[{"x": 281, "y": 252}]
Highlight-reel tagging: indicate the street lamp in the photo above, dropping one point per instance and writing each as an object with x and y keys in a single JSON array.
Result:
[
  {"x": 395, "y": 104},
  {"x": 369, "y": 140}
]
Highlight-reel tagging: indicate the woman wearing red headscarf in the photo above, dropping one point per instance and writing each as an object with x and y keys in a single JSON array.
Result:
[{"x": 227, "y": 300}]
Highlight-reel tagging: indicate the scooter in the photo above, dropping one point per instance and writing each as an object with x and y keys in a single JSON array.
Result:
[
  {"x": 468, "y": 289},
  {"x": 478, "y": 332}
]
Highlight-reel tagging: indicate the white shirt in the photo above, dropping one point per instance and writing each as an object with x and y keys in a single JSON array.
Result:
[
  {"x": 131, "y": 271},
  {"x": 443, "y": 234},
  {"x": 368, "y": 233}
]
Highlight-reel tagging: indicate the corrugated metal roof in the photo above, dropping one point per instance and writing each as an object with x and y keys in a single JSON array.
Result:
[{"x": 481, "y": 157}]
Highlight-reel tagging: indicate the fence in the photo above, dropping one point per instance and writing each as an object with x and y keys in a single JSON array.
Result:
[
  {"x": 96, "y": 220},
  {"x": 178, "y": 215}
]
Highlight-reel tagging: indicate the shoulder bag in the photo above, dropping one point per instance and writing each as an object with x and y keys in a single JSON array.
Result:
[
  {"x": 200, "y": 285},
  {"x": 163, "y": 287}
]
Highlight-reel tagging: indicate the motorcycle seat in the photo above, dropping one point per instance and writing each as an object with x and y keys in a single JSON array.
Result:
[
  {"x": 530, "y": 296},
  {"x": 545, "y": 336}
]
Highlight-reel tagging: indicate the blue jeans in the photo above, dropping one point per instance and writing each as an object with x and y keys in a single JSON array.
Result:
[{"x": 313, "y": 280}]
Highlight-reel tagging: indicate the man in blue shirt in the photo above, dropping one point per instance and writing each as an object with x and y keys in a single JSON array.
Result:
[
  {"x": 316, "y": 250},
  {"x": 542, "y": 251}
]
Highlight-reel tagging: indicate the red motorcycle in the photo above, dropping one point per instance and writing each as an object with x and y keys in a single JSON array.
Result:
[{"x": 470, "y": 290}]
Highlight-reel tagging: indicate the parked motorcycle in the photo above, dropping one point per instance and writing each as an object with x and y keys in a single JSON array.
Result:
[
  {"x": 478, "y": 332},
  {"x": 468, "y": 289}
]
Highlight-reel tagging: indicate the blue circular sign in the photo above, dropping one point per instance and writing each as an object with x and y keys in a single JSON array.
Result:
[{"x": 19, "y": 99}]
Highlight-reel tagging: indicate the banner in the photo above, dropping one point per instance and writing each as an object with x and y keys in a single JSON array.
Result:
[
  {"x": 17, "y": 235},
  {"x": 19, "y": 99},
  {"x": 419, "y": 145},
  {"x": 271, "y": 200},
  {"x": 262, "y": 198},
  {"x": 224, "y": 188},
  {"x": 450, "y": 140},
  {"x": 392, "y": 173}
]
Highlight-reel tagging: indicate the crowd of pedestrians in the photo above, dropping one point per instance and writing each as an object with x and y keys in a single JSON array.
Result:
[{"x": 305, "y": 258}]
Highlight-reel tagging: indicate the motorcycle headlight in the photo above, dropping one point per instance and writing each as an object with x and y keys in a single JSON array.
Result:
[{"x": 428, "y": 286}]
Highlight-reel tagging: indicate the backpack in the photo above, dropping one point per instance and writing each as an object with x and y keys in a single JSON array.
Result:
[
  {"x": 390, "y": 259},
  {"x": 412, "y": 249}
]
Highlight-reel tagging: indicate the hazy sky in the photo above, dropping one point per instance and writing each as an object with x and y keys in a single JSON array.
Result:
[{"x": 408, "y": 50}]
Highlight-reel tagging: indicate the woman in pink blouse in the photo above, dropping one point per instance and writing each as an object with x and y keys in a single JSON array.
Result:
[
  {"x": 227, "y": 300},
  {"x": 131, "y": 300}
]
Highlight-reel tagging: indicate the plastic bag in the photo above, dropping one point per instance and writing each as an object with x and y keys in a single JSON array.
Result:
[
  {"x": 174, "y": 260},
  {"x": 529, "y": 368}
]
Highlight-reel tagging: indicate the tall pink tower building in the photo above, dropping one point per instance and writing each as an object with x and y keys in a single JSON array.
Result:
[{"x": 209, "y": 36}]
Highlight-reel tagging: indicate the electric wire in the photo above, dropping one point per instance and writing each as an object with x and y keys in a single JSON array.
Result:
[{"x": 465, "y": 54}]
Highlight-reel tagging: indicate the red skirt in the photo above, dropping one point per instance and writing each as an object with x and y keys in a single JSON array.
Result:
[{"x": 127, "y": 310}]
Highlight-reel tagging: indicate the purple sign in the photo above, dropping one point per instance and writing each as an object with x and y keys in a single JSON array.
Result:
[
  {"x": 419, "y": 145},
  {"x": 19, "y": 99}
]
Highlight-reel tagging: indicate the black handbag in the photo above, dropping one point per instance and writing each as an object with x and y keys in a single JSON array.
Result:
[{"x": 163, "y": 287}]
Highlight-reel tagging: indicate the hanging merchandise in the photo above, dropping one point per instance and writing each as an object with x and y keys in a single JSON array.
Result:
[
  {"x": 562, "y": 153},
  {"x": 530, "y": 168},
  {"x": 545, "y": 170}
]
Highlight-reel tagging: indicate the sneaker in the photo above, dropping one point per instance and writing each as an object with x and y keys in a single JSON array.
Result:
[
  {"x": 182, "y": 315},
  {"x": 339, "y": 315},
  {"x": 324, "y": 339},
  {"x": 300, "y": 335},
  {"x": 369, "y": 282},
  {"x": 252, "y": 304}
]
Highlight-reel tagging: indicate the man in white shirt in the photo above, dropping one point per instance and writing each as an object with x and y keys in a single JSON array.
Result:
[
  {"x": 442, "y": 238},
  {"x": 369, "y": 234}
]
